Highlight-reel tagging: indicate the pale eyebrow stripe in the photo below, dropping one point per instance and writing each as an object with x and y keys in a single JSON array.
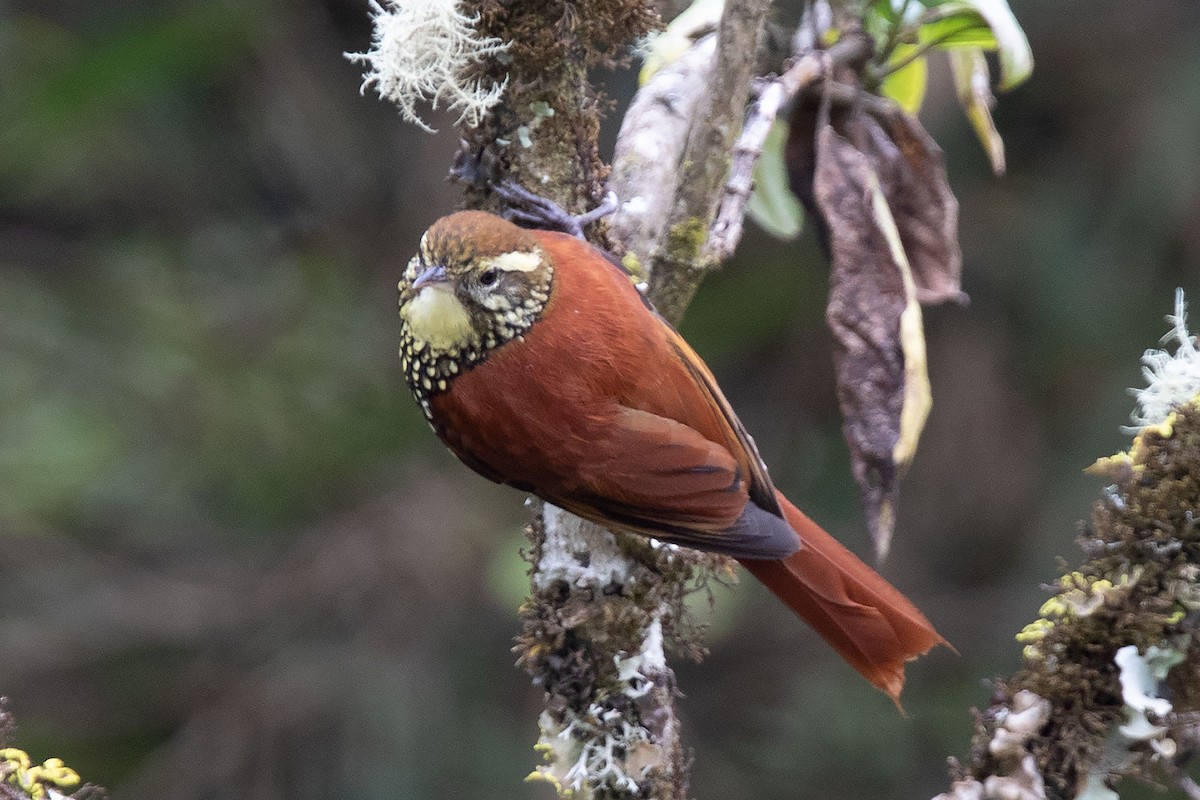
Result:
[{"x": 516, "y": 261}]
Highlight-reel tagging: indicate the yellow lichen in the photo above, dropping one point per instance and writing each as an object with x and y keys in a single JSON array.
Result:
[
  {"x": 1054, "y": 607},
  {"x": 1035, "y": 631},
  {"x": 1142, "y": 442},
  {"x": 17, "y": 769},
  {"x": 1083, "y": 595},
  {"x": 1120, "y": 465},
  {"x": 1114, "y": 467}
]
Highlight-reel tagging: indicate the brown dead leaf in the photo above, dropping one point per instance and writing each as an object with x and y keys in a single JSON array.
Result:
[
  {"x": 879, "y": 346},
  {"x": 875, "y": 186},
  {"x": 912, "y": 170}
]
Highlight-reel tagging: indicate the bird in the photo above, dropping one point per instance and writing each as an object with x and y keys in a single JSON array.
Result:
[{"x": 540, "y": 365}]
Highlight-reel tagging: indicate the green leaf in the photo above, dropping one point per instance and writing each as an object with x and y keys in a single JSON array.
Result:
[
  {"x": 772, "y": 204},
  {"x": 1016, "y": 57},
  {"x": 964, "y": 28},
  {"x": 906, "y": 85}
]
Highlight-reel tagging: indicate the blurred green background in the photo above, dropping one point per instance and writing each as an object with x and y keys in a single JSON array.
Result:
[{"x": 235, "y": 564}]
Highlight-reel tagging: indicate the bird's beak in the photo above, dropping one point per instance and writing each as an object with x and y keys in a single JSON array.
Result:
[{"x": 432, "y": 276}]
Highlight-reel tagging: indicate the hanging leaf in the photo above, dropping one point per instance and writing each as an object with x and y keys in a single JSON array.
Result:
[
  {"x": 912, "y": 171},
  {"x": 772, "y": 204},
  {"x": 879, "y": 346},
  {"x": 875, "y": 187},
  {"x": 987, "y": 25},
  {"x": 973, "y": 84}
]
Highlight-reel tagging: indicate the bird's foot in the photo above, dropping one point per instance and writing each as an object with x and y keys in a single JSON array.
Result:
[{"x": 529, "y": 209}]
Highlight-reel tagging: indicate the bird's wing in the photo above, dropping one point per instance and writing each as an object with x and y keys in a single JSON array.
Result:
[
  {"x": 759, "y": 487},
  {"x": 683, "y": 388},
  {"x": 681, "y": 487}
]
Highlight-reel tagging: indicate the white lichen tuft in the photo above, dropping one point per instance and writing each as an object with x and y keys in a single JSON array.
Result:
[
  {"x": 636, "y": 671},
  {"x": 604, "y": 749},
  {"x": 428, "y": 50},
  {"x": 1141, "y": 677},
  {"x": 1016, "y": 776},
  {"x": 593, "y": 751},
  {"x": 1096, "y": 789},
  {"x": 1171, "y": 379},
  {"x": 1017, "y": 725}
]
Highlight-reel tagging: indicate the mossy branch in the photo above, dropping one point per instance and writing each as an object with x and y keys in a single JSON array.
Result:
[
  {"x": 1117, "y": 639},
  {"x": 610, "y": 728},
  {"x": 603, "y": 606}
]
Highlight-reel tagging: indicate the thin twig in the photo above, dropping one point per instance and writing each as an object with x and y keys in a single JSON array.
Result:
[
  {"x": 1175, "y": 774},
  {"x": 809, "y": 69},
  {"x": 878, "y": 74},
  {"x": 1189, "y": 786},
  {"x": 894, "y": 33}
]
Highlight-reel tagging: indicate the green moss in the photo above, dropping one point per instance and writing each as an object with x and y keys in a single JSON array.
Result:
[
  {"x": 544, "y": 135},
  {"x": 633, "y": 265},
  {"x": 547, "y": 34},
  {"x": 685, "y": 240}
]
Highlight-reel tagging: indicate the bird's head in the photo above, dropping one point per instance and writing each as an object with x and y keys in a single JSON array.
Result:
[{"x": 476, "y": 282}]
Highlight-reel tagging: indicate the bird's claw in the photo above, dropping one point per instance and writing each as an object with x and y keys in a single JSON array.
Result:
[{"x": 523, "y": 207}]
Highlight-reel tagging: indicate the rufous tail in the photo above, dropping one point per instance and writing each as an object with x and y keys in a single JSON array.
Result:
[{"x": 866, "y": 619}]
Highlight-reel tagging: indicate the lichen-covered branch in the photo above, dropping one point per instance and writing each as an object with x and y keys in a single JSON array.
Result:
[
  {"x": 654, "y": 131},
  {"x": 543, "y": 134},
  {"x": 602, "y": 610},
  {"x": 679, "y": 265},
  {"x": 21, "y": 778},
  {"x": 603, "y": 606},
  {"x": 1111, "y": 681}
]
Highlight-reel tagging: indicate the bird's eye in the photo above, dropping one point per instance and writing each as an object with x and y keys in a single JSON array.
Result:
[{"x": 489, "y": 277}]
